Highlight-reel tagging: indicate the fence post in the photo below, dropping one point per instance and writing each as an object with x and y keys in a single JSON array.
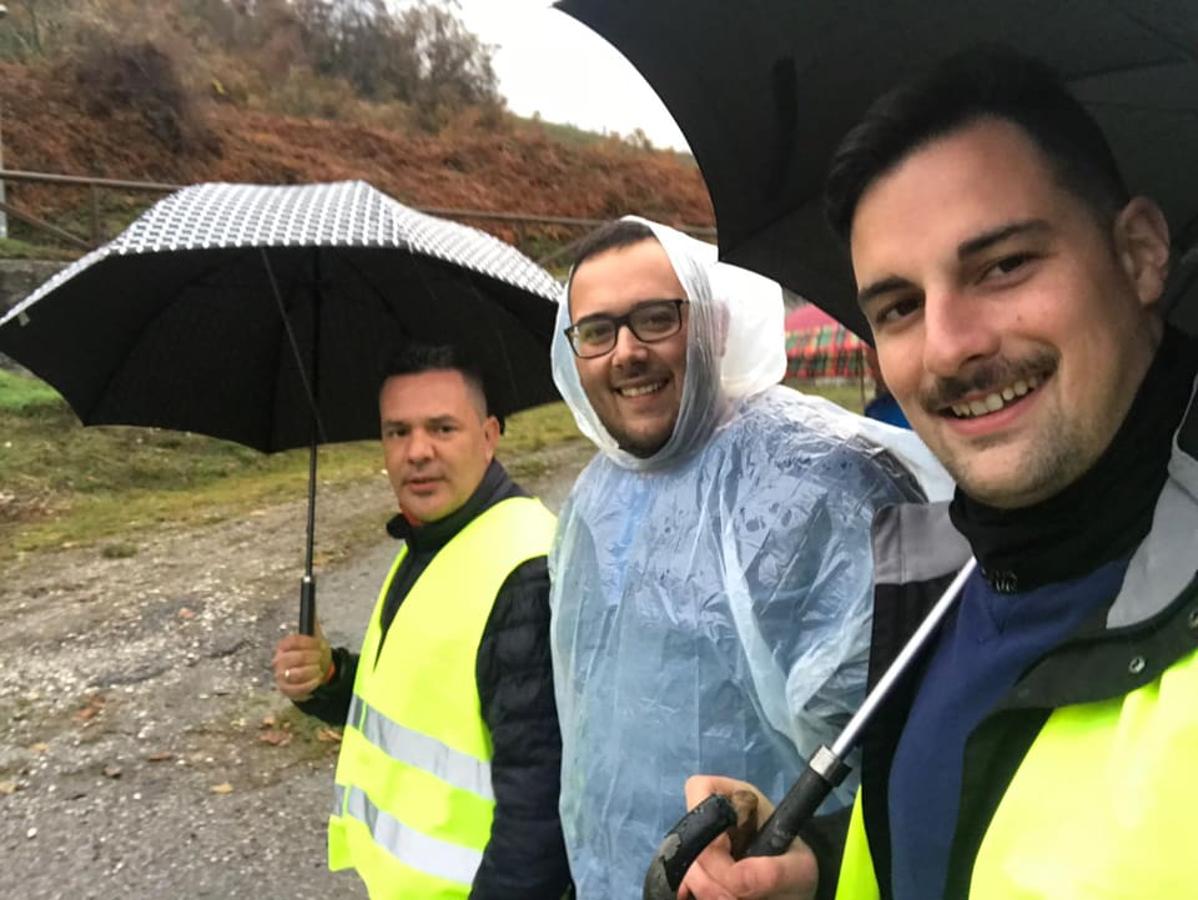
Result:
[{"x": 95, "y": 214}]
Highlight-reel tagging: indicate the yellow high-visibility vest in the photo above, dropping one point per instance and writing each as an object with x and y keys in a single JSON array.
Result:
[
  {"x": 413, "y": 805},
  {"x": 1102, "y": 805}
]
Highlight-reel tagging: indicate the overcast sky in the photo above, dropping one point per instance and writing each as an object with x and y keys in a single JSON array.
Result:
[{"x": 550, "y": 63}]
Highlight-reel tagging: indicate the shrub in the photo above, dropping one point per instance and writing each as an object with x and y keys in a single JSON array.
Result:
[{"x": 111, "y": 75}]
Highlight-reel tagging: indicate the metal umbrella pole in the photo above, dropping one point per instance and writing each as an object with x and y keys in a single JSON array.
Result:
[
  {"x": 307, "y": 615},
  {"x": 825, "y": 770}
]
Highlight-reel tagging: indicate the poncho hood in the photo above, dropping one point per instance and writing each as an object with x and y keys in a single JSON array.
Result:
[{"x": 736, "y": 347}]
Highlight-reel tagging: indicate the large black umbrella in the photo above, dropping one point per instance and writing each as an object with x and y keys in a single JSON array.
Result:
[
  {"x": 262, "y": 315},
  {"x": 765, "y": 89}
]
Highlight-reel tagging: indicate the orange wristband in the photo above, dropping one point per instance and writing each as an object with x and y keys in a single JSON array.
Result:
[{"x": 332, "y": 671}]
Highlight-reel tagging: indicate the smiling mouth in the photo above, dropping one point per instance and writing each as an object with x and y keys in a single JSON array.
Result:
[
  {"x": 641, "y": 390},
  {"x": 995, "y": 400}
]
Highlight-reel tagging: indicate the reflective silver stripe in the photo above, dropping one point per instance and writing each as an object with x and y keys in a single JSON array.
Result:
[
  {"x": 338, "y": 799},
  {"x": 427, "y": 854},
  {"x": 429, "y": 754},
  {"x": 355, "y": 711}
]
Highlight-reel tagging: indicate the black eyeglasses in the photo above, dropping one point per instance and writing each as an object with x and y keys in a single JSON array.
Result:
[{"x": 651, "y": 321}]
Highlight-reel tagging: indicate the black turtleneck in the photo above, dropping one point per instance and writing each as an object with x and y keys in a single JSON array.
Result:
[{"x": 1104, "y": 514}]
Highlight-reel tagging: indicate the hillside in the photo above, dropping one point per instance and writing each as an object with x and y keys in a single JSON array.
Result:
[{"x": 50, "y": 125}]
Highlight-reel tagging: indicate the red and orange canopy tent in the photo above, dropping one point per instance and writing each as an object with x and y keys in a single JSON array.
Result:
[{"x": 819, "y": 347}]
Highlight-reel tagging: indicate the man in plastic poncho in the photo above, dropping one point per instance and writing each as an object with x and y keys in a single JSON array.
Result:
[{"x": 711, "y": 577}]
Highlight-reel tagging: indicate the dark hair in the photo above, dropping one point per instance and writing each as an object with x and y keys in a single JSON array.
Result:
[
  {"x": 612, "y": 236},
  {"x": 987, "y": 81},
  {"x": 413, "y": 359}
]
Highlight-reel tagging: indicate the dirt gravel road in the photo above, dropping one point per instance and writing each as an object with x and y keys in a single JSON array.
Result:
[{"x": 143, "y": 749}]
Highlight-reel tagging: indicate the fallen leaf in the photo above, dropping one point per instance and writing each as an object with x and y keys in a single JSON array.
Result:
[
  {"x": 39, "y": 747},
  {"x": 186, "y": 613},
  {"x": 329, "y": 735},
  {"x": 268, "y": 722},
  {"x": 160, "y": 756},
  {"x": 112, "y": 771},
  {"x": 275, "y": 738},
  {"x": 88, "y": 712},
  {"x": 8, "y": 787},
  {"x": 225, "y": 788}
]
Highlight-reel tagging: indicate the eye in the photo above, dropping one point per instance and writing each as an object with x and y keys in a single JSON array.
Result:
[
  {"x": 1008, "y": 264},
  {"x": 594, "y": 332},
  {"x": 896, "y": 311},
  {"x": 656, "y": 320}
]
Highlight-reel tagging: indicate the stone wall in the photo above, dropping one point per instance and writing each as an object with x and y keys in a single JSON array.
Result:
[{"x": 18, "y": 279}]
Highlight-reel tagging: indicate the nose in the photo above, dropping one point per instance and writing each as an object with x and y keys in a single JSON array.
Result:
[
  {"x": 957, "y": 331},
  {"x": 420, "y": 447},
  {"x": 629, "y": 348}
]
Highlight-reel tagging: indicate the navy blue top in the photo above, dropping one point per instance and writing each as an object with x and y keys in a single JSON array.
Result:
[
  {"x": 885, "y": 408},
  {"x": 983, "y": 648}
]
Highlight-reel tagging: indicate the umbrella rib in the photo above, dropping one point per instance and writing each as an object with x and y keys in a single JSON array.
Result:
[
  {"x": 299, "y": 362},
  {"x": 278, "y": 360}
]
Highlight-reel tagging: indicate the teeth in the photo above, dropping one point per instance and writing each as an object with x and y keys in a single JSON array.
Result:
[
  {"x": 642, "y": 390},
  {"x": 996, "y": 401}
]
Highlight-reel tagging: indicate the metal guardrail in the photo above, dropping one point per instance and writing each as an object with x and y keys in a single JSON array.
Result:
[{"x": 95, "y": 184}]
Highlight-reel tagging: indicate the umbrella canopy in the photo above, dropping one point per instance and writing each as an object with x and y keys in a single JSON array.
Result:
[
  {"x": 819, "y": 347},
  {"x": 177, "y": 322},
  {"x": 765, "y": 89},
  {"x": 263, "y": 315}
]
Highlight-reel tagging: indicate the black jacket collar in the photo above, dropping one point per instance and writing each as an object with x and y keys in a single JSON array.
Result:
[{"x": 432, "y": 536}]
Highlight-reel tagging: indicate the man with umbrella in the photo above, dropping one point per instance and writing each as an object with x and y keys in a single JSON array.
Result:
[
  {"x": 447, "y": 781},
  {"x": 1043, "y": 745}
]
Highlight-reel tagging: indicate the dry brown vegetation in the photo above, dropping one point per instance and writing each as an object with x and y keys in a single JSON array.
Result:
[{"x": 201, "y": 90}]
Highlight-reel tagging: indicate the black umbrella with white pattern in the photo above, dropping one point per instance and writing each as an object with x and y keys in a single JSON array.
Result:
[{"x": 261, "y": 314}]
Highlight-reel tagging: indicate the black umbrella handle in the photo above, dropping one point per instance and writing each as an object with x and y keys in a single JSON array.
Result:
[
  {"x": 684, "y": 842},
  {"x": 713, "y": 816},
  {"x": 307, "y": 616},
  {"x": 822, "y": 774}
]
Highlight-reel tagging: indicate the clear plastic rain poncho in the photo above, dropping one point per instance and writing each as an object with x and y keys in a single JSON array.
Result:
[{"x": 711, "y": 603}]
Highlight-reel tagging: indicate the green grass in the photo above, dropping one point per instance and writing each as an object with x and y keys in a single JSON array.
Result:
[
  {"x": 27, "y": 396},
  {"x": 14, "y": 248}
]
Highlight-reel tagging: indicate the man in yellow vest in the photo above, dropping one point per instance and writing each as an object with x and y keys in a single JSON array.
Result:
[
  {"x": 1044, "y": 745},
  {"x": 447, "y": 782}
]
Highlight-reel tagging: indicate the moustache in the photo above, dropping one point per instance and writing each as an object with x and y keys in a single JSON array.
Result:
[{"x": 984, "y": 378}]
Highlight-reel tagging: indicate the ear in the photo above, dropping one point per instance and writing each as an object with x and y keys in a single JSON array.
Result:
[
  {"x": 490, "y": 436},
  {"x": 1142, "y": 244}
]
